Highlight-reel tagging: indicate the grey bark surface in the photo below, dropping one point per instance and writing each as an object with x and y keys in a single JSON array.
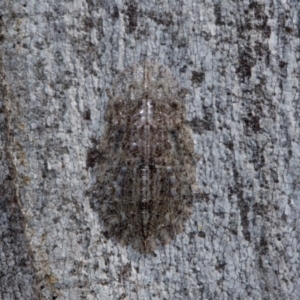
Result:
[{"x": 239, "y": 60}]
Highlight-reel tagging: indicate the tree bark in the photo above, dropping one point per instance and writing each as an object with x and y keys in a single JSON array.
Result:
[{"x": 239, "y": 63}]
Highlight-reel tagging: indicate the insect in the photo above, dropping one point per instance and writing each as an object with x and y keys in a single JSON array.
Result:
[{"x": 147, "y": 165}]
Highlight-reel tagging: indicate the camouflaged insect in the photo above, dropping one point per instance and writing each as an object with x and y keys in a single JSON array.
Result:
[{"x": 147, "y": 165}]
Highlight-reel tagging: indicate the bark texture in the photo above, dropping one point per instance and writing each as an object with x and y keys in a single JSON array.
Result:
[{"x": 239, "y": 63}]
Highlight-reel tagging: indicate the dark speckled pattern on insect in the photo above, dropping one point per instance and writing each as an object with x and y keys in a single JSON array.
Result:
[{"x": 147, "y": 166}]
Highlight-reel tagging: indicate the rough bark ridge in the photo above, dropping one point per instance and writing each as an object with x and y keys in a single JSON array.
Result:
[{"x": 238, "y": 61}]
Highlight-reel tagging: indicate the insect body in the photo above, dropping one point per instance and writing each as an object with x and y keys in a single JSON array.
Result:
[{"x": 147, "y": 165}]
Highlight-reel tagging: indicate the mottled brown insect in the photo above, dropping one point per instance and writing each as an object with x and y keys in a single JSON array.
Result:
[{"x": 147, "y": 163}]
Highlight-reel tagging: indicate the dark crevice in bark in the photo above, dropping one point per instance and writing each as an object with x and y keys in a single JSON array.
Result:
[{"x": 16, "y": 255}]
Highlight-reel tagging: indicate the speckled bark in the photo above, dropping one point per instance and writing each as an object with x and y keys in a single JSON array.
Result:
[{"x": 239, "y": 63}]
